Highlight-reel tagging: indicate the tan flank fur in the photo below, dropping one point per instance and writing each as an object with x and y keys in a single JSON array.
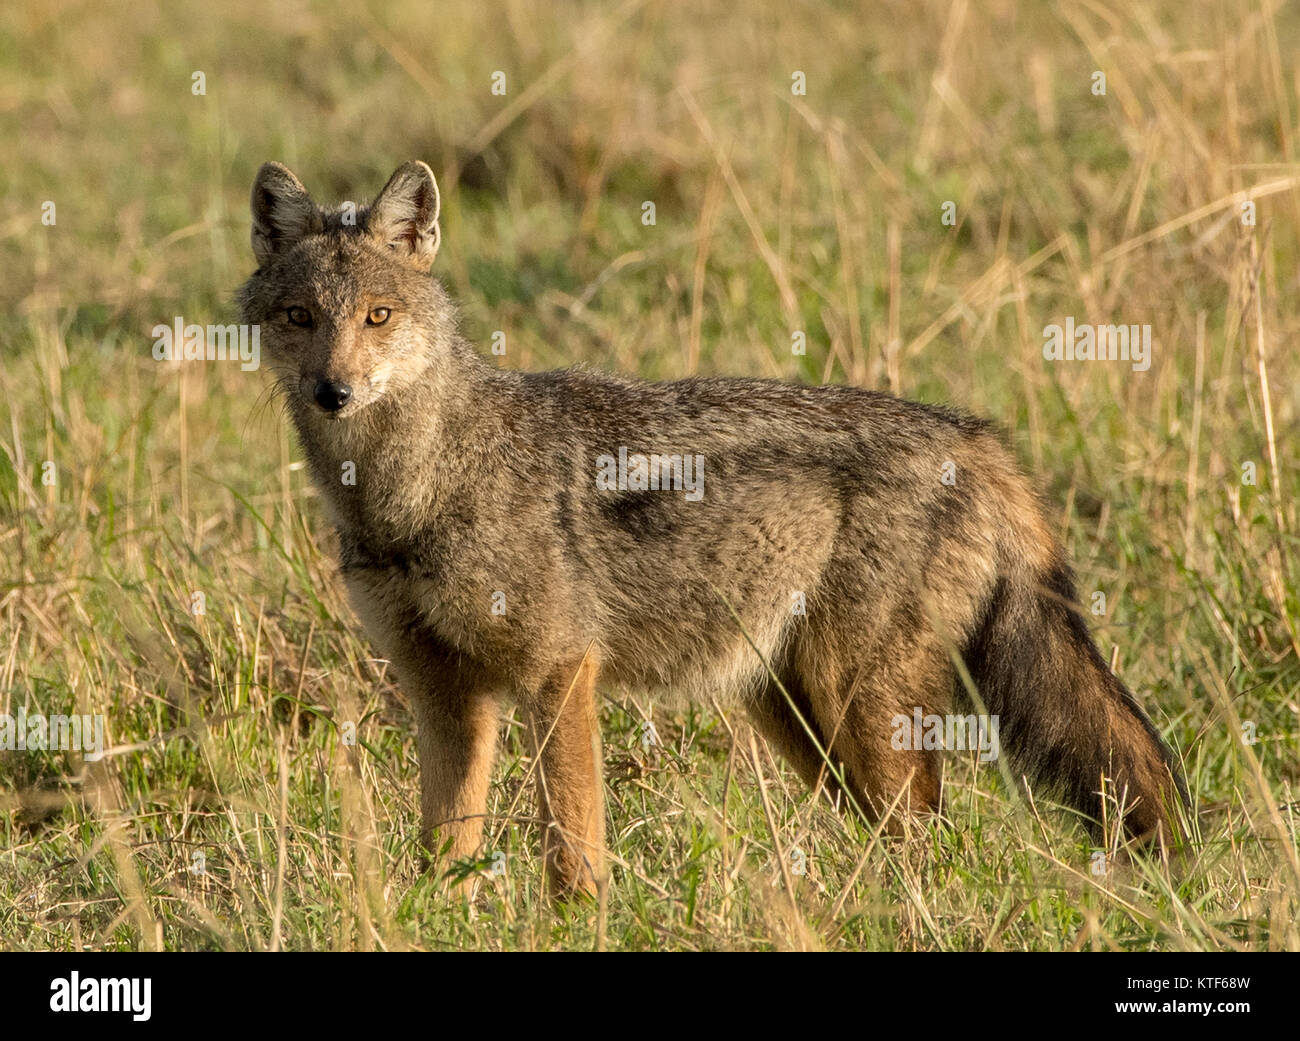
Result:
[{"x": 490, "y": 561}]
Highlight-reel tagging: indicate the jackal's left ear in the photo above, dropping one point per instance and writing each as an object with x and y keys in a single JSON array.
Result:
[{"x": 405, "y": 216}]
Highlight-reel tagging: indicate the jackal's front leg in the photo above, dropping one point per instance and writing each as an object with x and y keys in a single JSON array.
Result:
[
  {"x": 457, "y": 741},
  {"x": 566, "y": 736}
]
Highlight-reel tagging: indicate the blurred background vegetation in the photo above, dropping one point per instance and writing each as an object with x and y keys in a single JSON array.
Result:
[{"x": 775, "y": 212}]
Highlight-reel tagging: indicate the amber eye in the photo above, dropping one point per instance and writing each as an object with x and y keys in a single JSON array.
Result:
[
  {"x": 299, "y": 316},
  {"x": 377, "y": 316}
]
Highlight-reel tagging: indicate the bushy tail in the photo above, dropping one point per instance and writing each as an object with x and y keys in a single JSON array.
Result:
[{"x": 1064, "y": 718}]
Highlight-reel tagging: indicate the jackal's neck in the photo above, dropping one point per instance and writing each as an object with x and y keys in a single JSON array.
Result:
[{"x": 390, "y": 471}]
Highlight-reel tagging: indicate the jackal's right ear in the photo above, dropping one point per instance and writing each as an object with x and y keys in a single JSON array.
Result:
[
  {"x": 405, "y": 216},
  {"x": 283, "y": 212}
]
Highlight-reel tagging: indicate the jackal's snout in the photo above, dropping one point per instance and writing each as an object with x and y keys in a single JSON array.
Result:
[
  {"x": 331, "y": 395},
  {"x": 337, "y": 394}
]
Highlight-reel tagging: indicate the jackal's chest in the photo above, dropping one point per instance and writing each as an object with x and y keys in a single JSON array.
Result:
[
  {"x": 414, "y": 603},
  {"x": 396, "y": 589},
  {"x": 405, "y": 622}
]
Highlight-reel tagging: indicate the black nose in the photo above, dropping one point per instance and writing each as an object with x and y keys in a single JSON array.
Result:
[{"x": 332, "y": 396}]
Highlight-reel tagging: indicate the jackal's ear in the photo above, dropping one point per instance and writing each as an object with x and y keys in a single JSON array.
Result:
[
  {"x": 405, "y": 216},
  {"x": 283, "y": 212}
]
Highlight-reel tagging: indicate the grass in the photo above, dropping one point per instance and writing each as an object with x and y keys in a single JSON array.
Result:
[{"x": 775, "y": 213}]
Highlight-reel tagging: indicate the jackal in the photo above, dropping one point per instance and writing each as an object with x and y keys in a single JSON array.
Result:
[{"x": 837, "y": 559}]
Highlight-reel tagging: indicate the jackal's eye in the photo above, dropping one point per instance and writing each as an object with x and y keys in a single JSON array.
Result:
[
  {"x": 377, "y": 316},
  {"x": 299, "y": 316}
]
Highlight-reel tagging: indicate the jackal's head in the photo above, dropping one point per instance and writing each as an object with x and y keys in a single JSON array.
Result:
[{"x": 347, "y": 310}]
